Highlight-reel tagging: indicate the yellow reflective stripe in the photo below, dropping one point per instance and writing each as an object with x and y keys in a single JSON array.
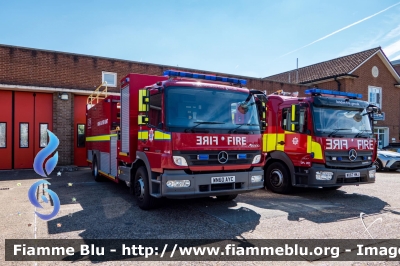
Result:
[
  {"x": 293, "y": 112},
  {"x": 159, "y": 135},
  {"x": 293, "y": 127},
  {"x": 280, "y": 137},
  {"x": 123, "y": 153},
  {"x": 142, "y": 105},
  {"x": 265, "y": 142},
  {"x": 316, "y": 149},
  {"x": 101, "y": 137},
  {"x": 309, "y": 143},
  {"x": 142, "y": 119},
  {"x": 143, "y": 135},
  {"x": 110, "y": 176}
]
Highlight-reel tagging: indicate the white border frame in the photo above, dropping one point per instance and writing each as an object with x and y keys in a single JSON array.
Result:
[{"x": 109, "y": 73}]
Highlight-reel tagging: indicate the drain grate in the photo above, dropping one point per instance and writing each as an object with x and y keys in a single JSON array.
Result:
[{"x": 4, "y": 188}]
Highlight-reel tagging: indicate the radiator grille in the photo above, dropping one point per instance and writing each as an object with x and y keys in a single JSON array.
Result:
[
  {"x": 345, "y": 162},
  {"x": 192, "y": 157}
]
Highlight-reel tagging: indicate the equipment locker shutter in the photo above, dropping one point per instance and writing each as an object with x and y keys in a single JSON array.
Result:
[{"x": 125, "y": 119}]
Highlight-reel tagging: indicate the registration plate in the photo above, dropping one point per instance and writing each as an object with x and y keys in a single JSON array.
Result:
[
  {"x": 222, "y": 179},
  {"x": 354, "y": 174}
]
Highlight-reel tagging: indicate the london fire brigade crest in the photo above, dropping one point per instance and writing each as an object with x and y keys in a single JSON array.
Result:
[
  {"x": 295, "y": 141},
  {"x": 151, "y": 134}
]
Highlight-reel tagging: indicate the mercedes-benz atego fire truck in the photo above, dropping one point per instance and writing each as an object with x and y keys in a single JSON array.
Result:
[
  {"x": 324, "y": 140},
  {"x": 181, "y": 135}
]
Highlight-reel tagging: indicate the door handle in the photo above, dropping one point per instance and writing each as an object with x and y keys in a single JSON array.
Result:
[{"x": 281, "y": 142}]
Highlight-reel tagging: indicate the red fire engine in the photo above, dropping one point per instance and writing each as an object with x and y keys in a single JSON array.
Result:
[
  {"x": 325, "y": 140},
  {"x": 181, "y": 135}
]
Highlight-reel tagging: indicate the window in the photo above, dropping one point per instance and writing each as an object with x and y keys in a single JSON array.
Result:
[
  {"x": 110, "y": 78},
  {"x": 375, "y": 96},
  {"x": 3, "y": 128},
  {"x": 81, "y": 135},
  {"x": 23, "y": 135},
  {"x": 155, "y": 110},
  {"x": 43, "y": 135},
  {"x": 300, "y": 122}
]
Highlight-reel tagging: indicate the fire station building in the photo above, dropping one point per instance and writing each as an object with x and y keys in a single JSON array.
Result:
[{"x": 42, "y": 90}]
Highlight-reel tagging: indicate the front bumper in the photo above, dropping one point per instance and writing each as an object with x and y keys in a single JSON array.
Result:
[
  {"x": 392, "y": 164},
  {"x": 339, "y": 177},
  {"x": 200, "y": 184}
]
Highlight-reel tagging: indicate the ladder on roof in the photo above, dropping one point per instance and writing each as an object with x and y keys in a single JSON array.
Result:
[{"x": 97, "y": 95}]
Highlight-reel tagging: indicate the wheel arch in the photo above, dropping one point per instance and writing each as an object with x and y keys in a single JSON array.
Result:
[{"x": 279, "y": 156}]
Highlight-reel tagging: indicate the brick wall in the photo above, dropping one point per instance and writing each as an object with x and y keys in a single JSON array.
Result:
[
  {"x": 63, "y": 127},
  {"x": 385, "y": 80}
]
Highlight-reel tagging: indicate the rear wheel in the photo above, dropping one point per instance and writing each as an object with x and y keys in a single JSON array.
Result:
[
  {"x": 277, "y": 178},
  {"x": 227, "y": 197},
  {"x": 378, "y": 165},
  {"x": 141, "y": 190},
  {"x": 95, "y": 170}
]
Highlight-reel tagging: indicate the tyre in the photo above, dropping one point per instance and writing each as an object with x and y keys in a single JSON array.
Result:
[
  {"x": 378, "y": 165},
  {"x": 227, "y": 197},
  {"x": 141, "y": 190},
  {"x": 277, "y": 178},
  {"x": 332, "y": 188},
  {"x": 95, "y": 171}
]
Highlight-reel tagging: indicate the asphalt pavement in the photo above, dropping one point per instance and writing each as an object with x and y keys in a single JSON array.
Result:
[{"x": 105, "y": 210}]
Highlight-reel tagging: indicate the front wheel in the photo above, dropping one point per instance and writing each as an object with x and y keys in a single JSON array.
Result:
[
  {"x": 141, "y": 190},
  {"x": 277, "y": 178}
]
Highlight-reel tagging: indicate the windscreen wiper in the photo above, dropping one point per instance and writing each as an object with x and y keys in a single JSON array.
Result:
[
  {"x": 359, "y": 134},
  {"x": 203, "y": 123},
  {"x": 336, "y": 130},
  {"x": 234, "y": 130}
]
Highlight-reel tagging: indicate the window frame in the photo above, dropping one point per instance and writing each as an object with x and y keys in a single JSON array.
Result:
[
  {"x": 5, "y": 136},
  {"x": 103, "y": 73},
  {"x": 77, "y": 135},
  {"x": 20, "y": 124},
  {"x": 370, "y": 88},
  {"x": 40, "y": 135}
]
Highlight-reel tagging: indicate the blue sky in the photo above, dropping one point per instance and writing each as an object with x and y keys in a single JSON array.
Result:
[{"x": 244, "y": 37}]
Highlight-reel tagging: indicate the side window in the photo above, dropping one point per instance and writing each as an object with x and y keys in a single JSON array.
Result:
[
  {"x": 294, "y": 119},
  {"x": 43, "y": 135},
  {"x": 3, "y": 130},
  {"x": 155, "y": 110}
]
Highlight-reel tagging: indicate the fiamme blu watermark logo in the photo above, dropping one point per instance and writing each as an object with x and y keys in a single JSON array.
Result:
[{"x": 44, "y": 168}]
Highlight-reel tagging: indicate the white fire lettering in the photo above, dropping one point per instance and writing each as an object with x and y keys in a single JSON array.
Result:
[
  {"x": 365, "y": 144},
  {"x": 236, "y": 140},
  {"x": 336, "y": 144},
  {"x": 206, "y": 140}
]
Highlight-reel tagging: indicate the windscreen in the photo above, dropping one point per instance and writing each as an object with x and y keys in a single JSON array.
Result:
[
  {"x": 193, "y": 109},
  {"x": 341, "y": 121}
]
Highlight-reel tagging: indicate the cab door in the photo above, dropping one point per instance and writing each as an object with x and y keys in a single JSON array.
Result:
[{"x": 295, "y": 127}]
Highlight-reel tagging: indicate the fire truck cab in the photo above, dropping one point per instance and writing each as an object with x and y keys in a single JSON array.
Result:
[
  {"x": 181, "y": 135},
  {"x": 325, "y": 140}
]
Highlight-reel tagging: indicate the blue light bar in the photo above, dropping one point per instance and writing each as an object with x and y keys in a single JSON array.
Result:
[
  {"x": 242, "y": 156},
  {"x": 174, "y": 73},
  {"x": 202, "y": 157},
  {"x": 337, "y": 93}
]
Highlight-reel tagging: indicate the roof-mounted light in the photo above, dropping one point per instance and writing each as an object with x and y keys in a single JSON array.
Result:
[
  {"x": 173, "y": 73},
  {"x": 336, "y": 93}
]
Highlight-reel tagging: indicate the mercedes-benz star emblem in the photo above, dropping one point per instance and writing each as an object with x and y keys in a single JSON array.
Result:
[
  {"x": 352, "y": 154},
  {"x": 222, "y": 157}
]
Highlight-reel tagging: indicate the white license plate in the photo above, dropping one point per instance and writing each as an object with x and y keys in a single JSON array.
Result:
[
  {"x": 222, "y": 179},
  {"x": 355, "y": 174}
]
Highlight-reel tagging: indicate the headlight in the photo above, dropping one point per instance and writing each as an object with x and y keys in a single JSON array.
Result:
[
  {"x": 322, "y": 175},
  {"x": 178, "y": 183},
  {"x": 256, "y": 178},
  {"x": 179, "y": 160},
  {"x": 372, "y": 173},
  {"x": 256, "y": 159}
]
